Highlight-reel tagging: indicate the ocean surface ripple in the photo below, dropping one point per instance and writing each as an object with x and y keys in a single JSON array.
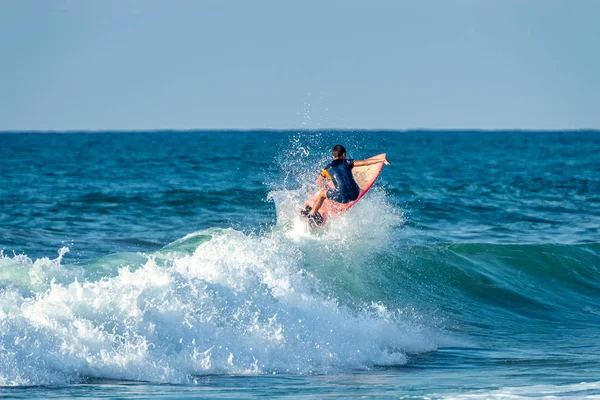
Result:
[{"x": 471, "y": 270}]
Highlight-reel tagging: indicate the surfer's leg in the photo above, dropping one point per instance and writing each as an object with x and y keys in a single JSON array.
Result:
[{"x": 319, "y": 202}]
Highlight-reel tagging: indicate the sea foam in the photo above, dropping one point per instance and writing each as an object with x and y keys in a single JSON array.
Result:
[{"x": 237, "y": 304}]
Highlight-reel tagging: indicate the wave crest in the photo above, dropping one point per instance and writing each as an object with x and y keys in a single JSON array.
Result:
[{"x": 238, "y": 304}]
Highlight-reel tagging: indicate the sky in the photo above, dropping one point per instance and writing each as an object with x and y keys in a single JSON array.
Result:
[{"x": 147, "y": 64}]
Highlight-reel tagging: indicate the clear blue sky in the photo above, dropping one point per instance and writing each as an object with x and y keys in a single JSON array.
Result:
[{"x": 95, "y": 65}]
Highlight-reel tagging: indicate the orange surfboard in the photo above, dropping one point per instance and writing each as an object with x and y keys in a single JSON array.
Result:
[{"x": 365, "y": 177}]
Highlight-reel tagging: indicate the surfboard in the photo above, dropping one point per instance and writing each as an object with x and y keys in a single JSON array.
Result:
[{"x": 364, "y": 176}]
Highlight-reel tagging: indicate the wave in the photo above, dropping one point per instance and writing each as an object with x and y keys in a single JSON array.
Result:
[
  {"x": 517, "y": 283},
  {"x": 215, "y": 302},
  {"x": 356, "y": 296}
]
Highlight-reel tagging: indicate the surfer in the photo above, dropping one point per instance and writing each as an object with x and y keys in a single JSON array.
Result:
[{"x": 345, "y": 190}]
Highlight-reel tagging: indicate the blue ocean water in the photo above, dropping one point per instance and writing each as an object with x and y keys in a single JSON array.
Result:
[{"x": 173, "y": 264}]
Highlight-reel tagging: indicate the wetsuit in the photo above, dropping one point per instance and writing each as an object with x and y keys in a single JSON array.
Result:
[{"x": 340, "y": 173}]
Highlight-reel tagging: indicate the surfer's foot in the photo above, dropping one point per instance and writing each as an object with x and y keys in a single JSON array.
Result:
[
  {"x": 306, "y": 211},
  {"x": 317, "y": 218}
]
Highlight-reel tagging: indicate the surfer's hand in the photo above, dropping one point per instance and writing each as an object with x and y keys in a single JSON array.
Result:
[{"x": 386, "y": 162}]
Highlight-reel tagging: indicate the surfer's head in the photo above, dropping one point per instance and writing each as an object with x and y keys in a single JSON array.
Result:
[{"x": 338, "y": 151}]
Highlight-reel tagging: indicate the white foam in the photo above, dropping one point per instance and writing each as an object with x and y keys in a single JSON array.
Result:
[
  {"x": 369, "y": 222},
  {"x": 583, "y": 390},
  {"x": 239, "y": 304}
]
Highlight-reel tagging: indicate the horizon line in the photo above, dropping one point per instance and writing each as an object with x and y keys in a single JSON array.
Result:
[{"x": 286, "y": 130}]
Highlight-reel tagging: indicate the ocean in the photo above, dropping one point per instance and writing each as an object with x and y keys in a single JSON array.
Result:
[{"x": 173, "y": 264}]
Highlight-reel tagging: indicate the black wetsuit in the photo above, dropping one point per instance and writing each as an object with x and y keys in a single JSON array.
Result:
[{"x": 340, "y": 172}]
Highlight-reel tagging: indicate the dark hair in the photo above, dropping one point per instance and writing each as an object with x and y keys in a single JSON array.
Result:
[{"x": 338, "y": 151}]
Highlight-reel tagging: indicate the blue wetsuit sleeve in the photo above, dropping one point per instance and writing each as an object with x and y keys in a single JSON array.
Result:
[{"x": 350, "y": 162}]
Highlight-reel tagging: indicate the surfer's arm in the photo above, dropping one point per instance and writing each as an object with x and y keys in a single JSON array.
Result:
[
  {"x": 364, "y": 163},
  {"x": 320, "y": 180}
]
